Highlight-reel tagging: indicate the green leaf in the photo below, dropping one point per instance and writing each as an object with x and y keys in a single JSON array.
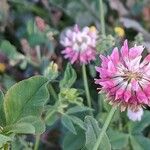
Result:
[
  {"x": 22, "y": 128},
  {"x": 8, "y": 81},
  {"x": 54, "y": 117},
  {"x": 137, "y": 128},
  {"x": 4, "y": 139},
  {"x": 36, "y": 39},
  {"x": 26, "y": 98},
  {"x": 138, "y": 141},
  {"x": 51, "y": 116},
  {"x": 77, "y": 109},
  {"x": 143, "y": 141},
  {"x": 20, "y": 143},
  {"x": 92, "y": 133},
  {"x": 74, "y": 142},
  {"x": 30, "y": 26},
  {"x": 118, "y": 140},
  {"x": 77, "y": 121},
  {"x": 135, "y": 144},
  {"x": 67, "y": 122},
  {"x": 69, "y": 77},
  {"x": 9, "y": 50},
  {"x": 36, "y": 122},
  {"x": 2, "y": 115}
]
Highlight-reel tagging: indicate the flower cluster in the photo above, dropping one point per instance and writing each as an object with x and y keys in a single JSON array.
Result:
[
  {"x": 80, "y": 45},
  {"x": 125, "y": 78}
]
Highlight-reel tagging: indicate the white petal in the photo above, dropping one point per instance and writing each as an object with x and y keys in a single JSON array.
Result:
[{"x": 135, "y": 116}]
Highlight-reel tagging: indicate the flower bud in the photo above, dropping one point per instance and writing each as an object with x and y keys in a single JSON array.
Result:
[{"x": 51, "y": 72}]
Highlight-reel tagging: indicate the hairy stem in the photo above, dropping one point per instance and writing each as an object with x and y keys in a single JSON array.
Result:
[
  {"x": 37, "y": 142},
  {"x": 106, "y": 124},
  {"x": 86, "y": 87},
  {"x": 102, "y": 17}
]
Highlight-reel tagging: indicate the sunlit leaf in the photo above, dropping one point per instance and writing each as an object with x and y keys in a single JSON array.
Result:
[
  {"x": 25, "y": 98},
  {"x": 69, "y": 77}
]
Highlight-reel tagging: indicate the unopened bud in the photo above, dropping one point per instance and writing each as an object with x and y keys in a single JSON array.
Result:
[{"x": 51, "y": 72}]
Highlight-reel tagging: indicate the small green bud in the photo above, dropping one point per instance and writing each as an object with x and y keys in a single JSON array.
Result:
[
  {"x": 51, "y": 72},
  {"x": 70, "y": 95}
]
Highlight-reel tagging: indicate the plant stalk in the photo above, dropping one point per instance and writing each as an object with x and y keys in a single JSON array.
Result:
[
  {"x": 52, "y": 91},
  {"x": 86, "y": 87},
  {"x": 103, "y": 131},
  {"x": 102, "y": 17},
  {"x": 37, "y": 142}
]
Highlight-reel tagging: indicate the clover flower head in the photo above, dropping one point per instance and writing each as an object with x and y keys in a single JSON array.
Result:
[
  {"x": 80, "y": 45},
  {"x": 125, "y": 77},
  {"x": 119, "y": 31},
  {"x": 135, "y": 115}
]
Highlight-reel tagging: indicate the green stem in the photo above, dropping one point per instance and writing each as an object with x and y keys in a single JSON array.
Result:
[
  {"x": 37, "y": 142},
  {"x": 50, "y": 114},
  {"x": 100, "y": 103},
  {"x": 103, "y": 131},
  {"x": 53, "y": 93},
  {"x": 86, "y": 86},
  {"x": 102, "y": 18},
  {"x": 38, "y": 52}
]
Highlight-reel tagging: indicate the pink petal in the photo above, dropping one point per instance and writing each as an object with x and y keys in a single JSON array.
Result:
[
  {"x": 127, "y": 95},
  {"x": 111, "y": 67},
  {"x": 145, "y": 61},
  {"x": 74, "y": 58},
  {"x": 105, "y": 61},
  {"x": 146, "y": 89},
  {"x": 104, "y": 73},
  {"x": 135, "y": 51},
  {"x": 125, "y": 49},
  {"x": 147, "y": 58},
  {"x": 119, "y": 93},
  {"x": 135, "y": 85},
  {"x": 142, "y": 98},
  {"x": 107, "y": 84},
  {"x": 115, "y": 56},
  {"x": 134, "y": 64}
]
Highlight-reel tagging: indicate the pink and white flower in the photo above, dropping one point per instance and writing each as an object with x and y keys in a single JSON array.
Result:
[
  {"x": 135, "y": 115},
  {"x": 125, "y": 78},
  {"x": 80, "y": 45}
]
